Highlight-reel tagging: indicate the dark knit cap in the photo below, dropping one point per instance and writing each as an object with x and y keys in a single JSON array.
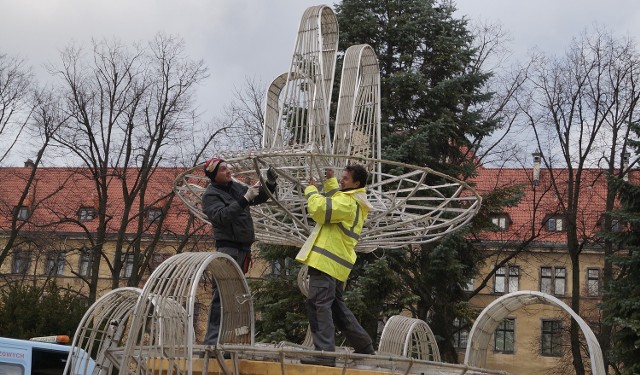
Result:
[{"x": 211, "y": 167}]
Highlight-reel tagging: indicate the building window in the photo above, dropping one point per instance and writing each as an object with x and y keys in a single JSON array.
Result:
[
  {"x": 468, "y": 287},
  {"x": 553, "y": 280},
  {"x": 460, "y": 334},
  {"x": 84, "y": 265},
  {"x": 154, "y": 214},
  {"x": 54, "y": 265},
  {"x": 593, "y": 282},
  {"x": 127, "y": 265},
  {"x": 505, "y": 336},
  {"x": 507, "y": 282},
  {"x": 21, "y": 262},
  {"x": 86, "y": 213},
  {"x": 502, "y": 221},
  {"x": 551, "y": 337},
  {"x": 556, "y": 224},
  {"x": 617, "y": 225},
  {"x": 281, "y": 267},
  {"x": 22, "y": 212}
]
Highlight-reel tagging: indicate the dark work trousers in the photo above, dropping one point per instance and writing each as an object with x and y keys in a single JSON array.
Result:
[
  {"x": 213, "y": 328},
  {"x": 327, "y": 311}
]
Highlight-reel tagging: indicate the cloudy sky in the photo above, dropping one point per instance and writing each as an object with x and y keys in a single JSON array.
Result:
[{"x": 238, "y": 39}]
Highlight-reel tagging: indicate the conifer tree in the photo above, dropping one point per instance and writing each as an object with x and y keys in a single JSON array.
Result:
[
  {"x": 621, "y": 302},
  {"x": 430, "y": 90}
]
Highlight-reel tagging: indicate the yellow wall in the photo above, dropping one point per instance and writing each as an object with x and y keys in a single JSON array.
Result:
[{"x": 527, "y": 357}]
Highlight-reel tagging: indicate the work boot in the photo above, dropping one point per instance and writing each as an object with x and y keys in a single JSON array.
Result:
[
  {"x": 319, "y": 361},
  {"x": 367, "y": 350}
]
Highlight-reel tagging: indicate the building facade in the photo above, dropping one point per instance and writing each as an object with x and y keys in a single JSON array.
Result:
[
  {"x": 528, "y": 251},
  {"x": 49, "y": 229}
]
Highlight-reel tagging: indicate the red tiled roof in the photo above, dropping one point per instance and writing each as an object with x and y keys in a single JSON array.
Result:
[
  {"x": 58, "y": 193},
  {"x": 542, "y": 201}
]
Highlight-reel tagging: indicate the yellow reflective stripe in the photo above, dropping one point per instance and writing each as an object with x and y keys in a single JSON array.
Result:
[
  {"x": 355, "y": 222},
  {"x": 327, "y": 213},
  {"x": 349, "y": 233},
  {"x": 331, "y": 192},
  {"x": 332, "y": 256},
  {"x": 312, "y": 193}
]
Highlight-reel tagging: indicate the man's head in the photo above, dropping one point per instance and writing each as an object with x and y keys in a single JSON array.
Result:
[
  {"x": 217, "y": 171},
  {"x": 354, "y": 176}
]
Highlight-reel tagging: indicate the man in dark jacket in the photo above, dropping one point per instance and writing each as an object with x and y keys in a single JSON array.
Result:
[{"x": 226, "y": 204}]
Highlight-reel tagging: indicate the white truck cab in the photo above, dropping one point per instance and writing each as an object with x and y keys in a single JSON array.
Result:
[{"x": 31, "y": 357}]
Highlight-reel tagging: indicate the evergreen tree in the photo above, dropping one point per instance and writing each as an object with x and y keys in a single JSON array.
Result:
[
  {"x": 621, "y": 301},
  {"x": 28, "y": 311},
  {"x": 429, "y": 82},
  {"x": 282, "y": 307},
  {"x": 430, "y": 89}
]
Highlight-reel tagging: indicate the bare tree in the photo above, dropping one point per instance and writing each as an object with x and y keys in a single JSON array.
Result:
[
  {"x": 579, "y": 109},
  {"x": 15, "y": 104},
  {"x": 506, "y": 83},
  {"x": 43, "y": 122},
  {"x": 129, "y": 111},
  {"x": 244, "y": 117}
]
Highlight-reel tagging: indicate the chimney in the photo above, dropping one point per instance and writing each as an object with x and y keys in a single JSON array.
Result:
[
  {"x": 29, "y": 164},
  {"x": 625, "y": 166},
  {"x": 537, "y": 157}
]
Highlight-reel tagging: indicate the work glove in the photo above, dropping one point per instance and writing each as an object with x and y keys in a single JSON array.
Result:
[
  {"x": 252, "y": 193},
  {"x": 272, "y": 176}
]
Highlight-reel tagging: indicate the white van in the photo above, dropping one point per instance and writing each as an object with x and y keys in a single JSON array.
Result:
[{"x": 29, "y": 357}]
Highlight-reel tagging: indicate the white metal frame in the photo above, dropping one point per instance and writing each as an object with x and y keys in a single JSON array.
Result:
[{"x": 489, "y": 319}]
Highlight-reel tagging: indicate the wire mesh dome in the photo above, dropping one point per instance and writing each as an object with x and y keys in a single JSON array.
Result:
[
  {"x": 489, "y": 319},
  {"x": 413, "y": 204},
  {"x": 103, "y": 329},
  {"x": 409, "y": 337},
  {"x": 137, "y": 331}
]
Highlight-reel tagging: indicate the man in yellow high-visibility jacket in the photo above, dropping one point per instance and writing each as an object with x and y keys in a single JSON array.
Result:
[{"x": 329, "y": 253}]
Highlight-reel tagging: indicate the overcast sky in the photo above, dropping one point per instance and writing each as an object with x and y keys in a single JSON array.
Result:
[{"x": 254, "y": 38}]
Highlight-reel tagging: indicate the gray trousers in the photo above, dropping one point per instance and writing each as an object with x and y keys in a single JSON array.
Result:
[
  {"x": 327, "y": 311},
  {"x": 213, "y": 327}
]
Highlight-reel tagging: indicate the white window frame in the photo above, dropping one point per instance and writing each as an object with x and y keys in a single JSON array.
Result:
[
  {"x": 84, "y": 262},
  {"x": 501, "y": 221},
  {"x": 54, "y": 264},
  {"x": 557, "y": 280},
  {"x": 556, "y": 224},
  {"x": 23, "y": 213},
  {"x": 506, "y": 279},
  {"x": 506, "y": 333},
  {"x": 86, "y": 213},
  {"x": 127, "y": 265},
  {"x": 21, "y": 262},
  {"x": 154, "y": 214},
  {"x": 460, "y": 336},
  {"x": 593, "y": 284},
  {"x": 551, "y": 344}
]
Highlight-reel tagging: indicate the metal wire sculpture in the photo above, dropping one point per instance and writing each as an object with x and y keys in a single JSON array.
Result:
[
  {"x": 153, "y": 330},
  {"x": 413, "y": 204}
]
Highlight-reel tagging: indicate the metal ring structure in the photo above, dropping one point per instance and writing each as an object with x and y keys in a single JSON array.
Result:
[
  {"x": 302, "y": 100},
  {"x": 162, "y": 333},
  {"x": 101, "y": 331},
  {"x": 486, "y": 323},
  {"x": 409, "y": 337},
  {"x": 155, "y": 325},
  {"x": 413, "y": 204},
  {"x": 408, "y": 210}
]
